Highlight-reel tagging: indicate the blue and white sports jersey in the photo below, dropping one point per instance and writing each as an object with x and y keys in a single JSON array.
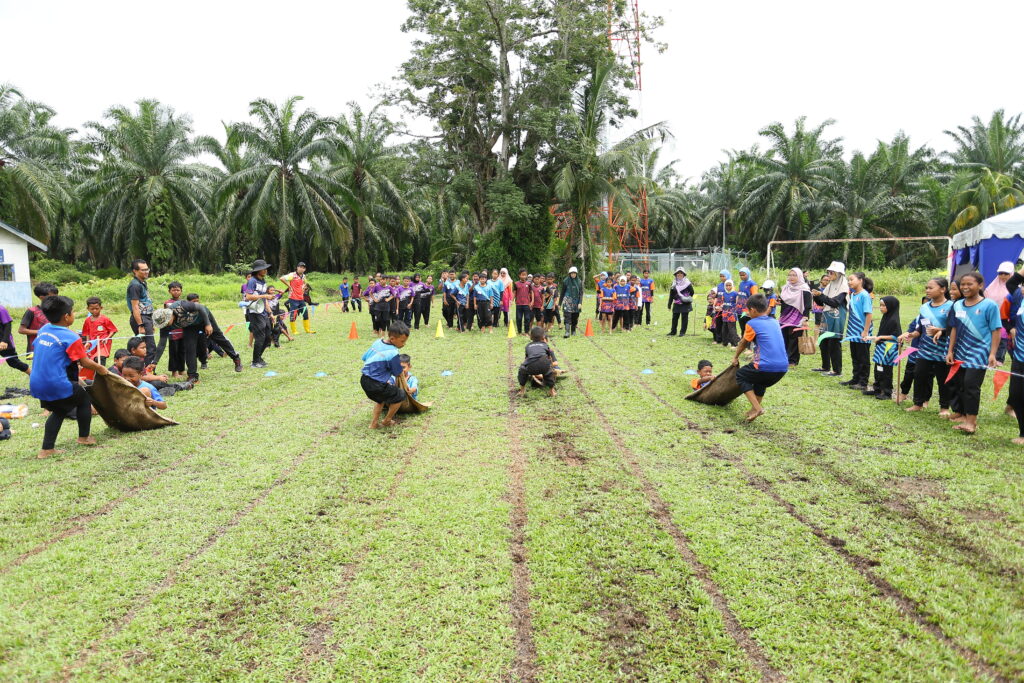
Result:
[
  {"x": 380, "y": 362},
  {"x": 974, "y": 327},
  {"x": 934, "y": 316},
  {"x": 860, "y": 307},
  {"x": 1017, "y": 316}
]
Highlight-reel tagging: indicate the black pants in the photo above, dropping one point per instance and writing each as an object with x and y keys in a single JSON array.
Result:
[
  {"x": 907, "y": 383},
  {"x": 1016, "y": 398},
  {"x": 219, "y": 340},
  {"x": 259, "y": 325},
  {"x": 77, "y": 401},
  {"x": 728, "y": 334},
  {"x": 448, "y": 313},
  {"x": 792, "y": 338},
  {"x": 925, "y": 373},
  {"x": 750, "y": 378},
  {"x": 161, "y": 345},
  {"x": 190, "y": 349},
  {"x": 624, "y": 318},
  {"x": 680, "y": 318},
  {"x": 465, "y": 314},
  {"x": 357, "y": 303},
  {"x": 554, "y": 313},
  {"x": 859, "y": 358},
  {"x": 9, "y": 353},
  {"x": 538, "y": 316},
  {"x": 832, "y": 355},
  {"x": 147, "y": 329},
  {"x": 524, "y": 319},
  {"x": 405, "y": 315},
  {"x": 572, "y": 318},
  {"x": 883, "y": 380},
  {"x": 967, "y": 386},
  {"x": 647, "y": 313},
  {"x": 421, "y": 311},
  {"x": 483, "y": 314},
  {"x": 381, "y": 319},
  {"x": 544, "y": 370}
]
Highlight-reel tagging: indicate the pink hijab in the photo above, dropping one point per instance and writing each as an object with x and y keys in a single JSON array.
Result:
[{"x": 794, "y": 294}]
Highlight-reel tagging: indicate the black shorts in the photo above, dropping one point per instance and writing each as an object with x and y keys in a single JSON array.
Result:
[
  {"x": 381, "y": 392},
  {"x": 549, "y": 315},
  {"x": 751, "y": 379}
]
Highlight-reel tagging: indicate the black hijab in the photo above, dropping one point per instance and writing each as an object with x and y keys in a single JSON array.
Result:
[{"x": 890, "y": 325}]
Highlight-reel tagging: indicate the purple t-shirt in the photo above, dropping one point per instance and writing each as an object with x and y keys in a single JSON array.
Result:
[{"x": 5, "y": 318}]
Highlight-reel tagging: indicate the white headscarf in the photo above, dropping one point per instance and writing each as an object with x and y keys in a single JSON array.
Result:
[
  {"x": 836, "y": 286},
  {"x": 794, "y": 294},
  {"x": 504, "y": 278}
]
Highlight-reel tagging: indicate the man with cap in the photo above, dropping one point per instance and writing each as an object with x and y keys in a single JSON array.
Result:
[
  {"x": 997, "y": 293},
  {"x": 258, "y": 308},
  {"x": 296, "y": 282},
  {"x": 571, "y": 296}
]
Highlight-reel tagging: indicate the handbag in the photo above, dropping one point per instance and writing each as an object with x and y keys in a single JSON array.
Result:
[{"x": 806, "y": 344}]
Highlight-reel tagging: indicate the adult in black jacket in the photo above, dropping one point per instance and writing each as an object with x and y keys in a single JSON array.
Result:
[
  {"x": 680, "y": 302},
  {"x": 796, "y": 308}
]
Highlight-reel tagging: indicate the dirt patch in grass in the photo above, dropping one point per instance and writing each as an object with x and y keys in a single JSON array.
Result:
[
  {"x": 920, "y": 487},
  {"x": 984, "y": 515},
  {"x": 565, "y": 449}
]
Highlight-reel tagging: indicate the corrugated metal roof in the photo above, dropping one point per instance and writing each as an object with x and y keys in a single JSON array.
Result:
[{"x": 18, "y": 233}]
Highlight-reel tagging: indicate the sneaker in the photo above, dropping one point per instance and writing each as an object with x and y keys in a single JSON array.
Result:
[
  {"x": 818, "y": 370},
  {"x": 869, "y": 392},
  {"x": 168, "y": 391},
  {"x": 203, "y": 367},
  {"x": 238, "y": 364},
  {"x": 566, "y": 335},
  {"x": 832, "y": 374},
  {"x": 256, "y": 365},
  {"x": 882, "y": 397},
  {"x": 185, "y": 386},
  {"x": 857, "y": 387},
  {"x": 848, "y": 382}
]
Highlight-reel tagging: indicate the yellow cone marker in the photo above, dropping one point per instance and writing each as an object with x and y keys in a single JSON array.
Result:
[
  {"x": 440, "y": 331},
  {"x": 511, "y": 332}
]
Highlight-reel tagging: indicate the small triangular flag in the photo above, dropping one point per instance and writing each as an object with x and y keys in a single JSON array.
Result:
[
  {"x": 953, "y": 369},
  {"x": 999, "y": 379}
]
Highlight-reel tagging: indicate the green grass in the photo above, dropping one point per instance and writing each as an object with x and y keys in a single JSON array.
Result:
[{"x": 272, "y": 536}]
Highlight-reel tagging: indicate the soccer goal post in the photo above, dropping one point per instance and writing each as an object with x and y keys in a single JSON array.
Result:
[{"x": 770, "y": 258}]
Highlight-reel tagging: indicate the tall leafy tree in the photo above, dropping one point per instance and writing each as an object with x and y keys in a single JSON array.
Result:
[
  {"x": 146, "y": 195},
  {"x": 381, "y": 216},
  {"x": 287, "y": 199},
  {"x": 34, "y": 161}
]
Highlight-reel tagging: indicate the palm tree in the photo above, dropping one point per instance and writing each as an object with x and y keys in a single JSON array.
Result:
[
  {"x": 723, "y": 191},
  {"x": 987, "y": 194},
  {"x": 34, "y": 159},
  {"x": 788, "y": 180},
  {"x": 145, "y": 197},
  {"x": 285, "y": 196},
  {"x": 991, "y": 156},
  {"x": 589, "y": 177},
  {"x": 375, "y": 206}
]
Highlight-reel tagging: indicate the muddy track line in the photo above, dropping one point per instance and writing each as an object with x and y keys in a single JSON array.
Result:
[
  {"x": 317, "y": 634},
  {"x": 524, "y": 666},
  {"x": 172, "y": 576},
  {"x": 661, "y": 512},
  {"x": 976, "y": 556},
  {"x": 80, "y": 523},
  {"x": 864, "y": 566}
]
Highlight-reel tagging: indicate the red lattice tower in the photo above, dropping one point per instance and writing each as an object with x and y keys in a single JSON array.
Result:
[{"x": 631, "y": 232}]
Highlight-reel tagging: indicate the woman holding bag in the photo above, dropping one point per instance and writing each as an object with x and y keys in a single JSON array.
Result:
[
  {"x": 680, "y": 302},
  {"x": 796, "y": 306}
]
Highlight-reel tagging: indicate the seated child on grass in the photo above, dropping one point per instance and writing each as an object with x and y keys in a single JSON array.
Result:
[
  {"x": 705, "y": 373},
  {"x": 380, "y": 365},
  {"x": 119, "y": 357},
  {"x": 412, "y": 384},
  {"x": 54, "y": 379},
  {"x": 132, "y": 371},
  {"x": 539, "y": 364},
  {"x": 770, "y": 361}
]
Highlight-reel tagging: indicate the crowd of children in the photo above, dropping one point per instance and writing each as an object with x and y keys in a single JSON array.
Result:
[{"x": 962, "y": 330}]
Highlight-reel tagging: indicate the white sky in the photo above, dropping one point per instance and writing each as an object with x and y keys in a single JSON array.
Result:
[{"x": 731, "y": 67}]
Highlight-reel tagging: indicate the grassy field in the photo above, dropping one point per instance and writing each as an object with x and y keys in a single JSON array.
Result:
[{"x": 613, "y": 532}]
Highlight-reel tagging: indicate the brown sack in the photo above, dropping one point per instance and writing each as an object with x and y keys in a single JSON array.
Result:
[
  {"x": 720, "y": 391},
  {"x": 122, "y": 406},
  {"x": 806, "y": 344},
  {"x": 411, "y": 405}
]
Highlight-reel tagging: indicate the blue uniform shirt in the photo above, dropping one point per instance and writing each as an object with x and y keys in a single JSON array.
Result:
[
  {"x": 380, "y": 362},
  {"x": 55, "y": 349}
]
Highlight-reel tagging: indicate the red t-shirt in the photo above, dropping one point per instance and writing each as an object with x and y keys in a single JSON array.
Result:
[
  {"x": 99, "y": 328},
  {"x": 296, "y": 288},
  {"x": 538, "y": 296},
  {"x": 524, "y": 293}
]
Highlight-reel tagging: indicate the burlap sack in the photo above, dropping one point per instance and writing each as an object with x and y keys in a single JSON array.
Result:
[
  {"x": 722, "y": 390},
  {"x": 411, "y": 405},
  {"x": 122, "y": 406}
]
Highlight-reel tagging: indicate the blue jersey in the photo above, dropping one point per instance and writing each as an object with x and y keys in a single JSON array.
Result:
[
  {"x": 860, "y": 307},
  {"x": 56, "y": 349},
  {"x": 885, "y": 353},
  {"x": 461, "y": 293},
  {"x": 482, "y": 292},
  {"x": 974, "y": 327},
  {"x": 497, "y": 289},
  {"x": 770, "y": 348},
  {"x": 380, "y": 362},
  {"x": 154, "y": 394},
  {"x": 935, "y": 317},
  {"x": 344, "y": 290}
]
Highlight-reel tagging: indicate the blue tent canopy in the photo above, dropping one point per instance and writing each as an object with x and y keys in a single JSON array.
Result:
[{"x": 991, "y": 242}]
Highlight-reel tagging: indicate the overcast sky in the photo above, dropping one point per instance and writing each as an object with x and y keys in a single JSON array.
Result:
[{"x": 730, "y": 68}]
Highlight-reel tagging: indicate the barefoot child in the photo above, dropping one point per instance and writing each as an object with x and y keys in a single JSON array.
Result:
[
  {"x": 54, "y": 378},
  {"x": 380, "y": 364},
  {"x": 538, "y": 364},
  {"x": 973, "y": 341},
  {"x": 412, "y": 384},
  {"x": 97, "y": 329},
  {"x": 770, "y": 358}
]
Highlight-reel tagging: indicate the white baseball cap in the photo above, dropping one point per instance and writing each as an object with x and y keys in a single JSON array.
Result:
[
  {"x": 1005, "y": 267},
  {"x": 574, "y": 270},
  {"x": 768, "y": 284}
]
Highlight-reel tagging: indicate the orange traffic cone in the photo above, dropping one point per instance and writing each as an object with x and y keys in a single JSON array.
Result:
[
  {"x": 352, "y": 333},
  {"x": 589, "y": 332}
]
